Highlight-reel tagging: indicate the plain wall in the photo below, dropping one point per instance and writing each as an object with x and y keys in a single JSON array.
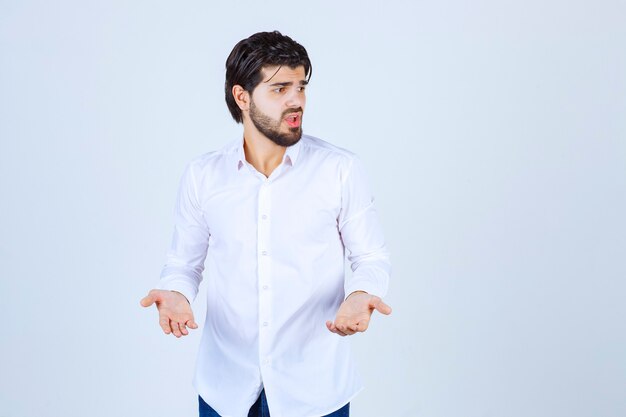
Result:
[{"x": 495, "y": 136}]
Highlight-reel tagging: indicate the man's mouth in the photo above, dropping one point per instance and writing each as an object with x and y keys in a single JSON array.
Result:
[{"x": 293, "y": 119}]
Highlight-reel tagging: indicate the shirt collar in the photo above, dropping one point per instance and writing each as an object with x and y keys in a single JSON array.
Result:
[
  {"x": 291, "y": 154},
  {"x": 290, "y": 157},
  {"x": 241, "y": 157}
]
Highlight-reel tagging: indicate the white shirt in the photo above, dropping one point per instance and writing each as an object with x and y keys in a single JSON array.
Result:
[{"x": 277, "y": 251}]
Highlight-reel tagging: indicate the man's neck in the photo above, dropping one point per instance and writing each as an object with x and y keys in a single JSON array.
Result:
[{"x": 262, "y": 153}]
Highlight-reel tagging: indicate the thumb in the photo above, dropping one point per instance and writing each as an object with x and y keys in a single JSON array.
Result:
[
  {"x": 380, "y": 305},
  {"x": 147, "y": 301},
  {"x": 192, "y": 324}
]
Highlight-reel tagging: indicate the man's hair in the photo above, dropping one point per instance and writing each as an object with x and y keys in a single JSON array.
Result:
[{"x": 249, "y": 56}]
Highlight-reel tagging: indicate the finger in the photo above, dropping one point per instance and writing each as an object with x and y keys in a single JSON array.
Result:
[
  {"x": 175, "y": 328},
  {"x": 347, "y": 330},
  {"x": 331, "y": 326},
  {"x": 343, "y": 327},
  {"x": 353, "y": 327},
  {"x": 164, "y": 322},
  {"x": 362, "y": 325},
  {"x": 340, "y": 333},
  {"x": 346, "y": 327},
  {"x": 183, "y": 329},
  {"x": 147, "y": 301},
  {"x": 380, "y": 305},
  {"x": 192, "y": 324}
]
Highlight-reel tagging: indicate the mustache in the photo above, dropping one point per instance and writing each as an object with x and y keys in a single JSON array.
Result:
[{"x": 298, "y": 110}]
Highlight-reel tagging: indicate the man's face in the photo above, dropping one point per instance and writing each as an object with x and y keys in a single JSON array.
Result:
[{"x": 277, "y": 104}]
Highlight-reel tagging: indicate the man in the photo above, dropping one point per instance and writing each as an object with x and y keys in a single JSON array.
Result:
[{"x": 276, "y": 211}]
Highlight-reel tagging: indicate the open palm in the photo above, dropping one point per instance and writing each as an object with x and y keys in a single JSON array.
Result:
[{"x": 355, "y": 312}]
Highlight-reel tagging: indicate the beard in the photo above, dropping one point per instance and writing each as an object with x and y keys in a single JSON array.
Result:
[{"x": 270, "y": 128}]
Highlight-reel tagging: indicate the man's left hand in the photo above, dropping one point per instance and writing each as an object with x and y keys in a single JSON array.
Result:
[{"x": 355, "y": 312}]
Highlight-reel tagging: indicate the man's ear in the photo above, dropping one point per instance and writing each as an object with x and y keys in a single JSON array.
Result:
[{"x": 242, "y": 97}]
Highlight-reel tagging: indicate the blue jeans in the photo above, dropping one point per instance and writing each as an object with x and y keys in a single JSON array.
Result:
[{"x": 259, "y": 409}]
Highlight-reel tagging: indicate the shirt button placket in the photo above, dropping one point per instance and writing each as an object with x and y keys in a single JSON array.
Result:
[{"x": 264, "y": 271}]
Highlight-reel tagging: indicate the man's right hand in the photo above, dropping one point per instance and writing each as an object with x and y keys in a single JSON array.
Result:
[{"x": 175, "y": 313}]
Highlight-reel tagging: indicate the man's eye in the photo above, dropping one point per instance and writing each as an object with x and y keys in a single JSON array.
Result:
[
  {"x": 279, "y": 89},
  {"x": 300, "y": 89}
]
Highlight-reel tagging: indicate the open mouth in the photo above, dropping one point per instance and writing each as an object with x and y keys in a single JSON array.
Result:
[{"x": 293, "y": 120}]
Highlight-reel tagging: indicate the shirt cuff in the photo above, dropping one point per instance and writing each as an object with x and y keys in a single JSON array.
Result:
[
  {"x": 374, "y": 282},
  {"x": 182, "y": 286}
]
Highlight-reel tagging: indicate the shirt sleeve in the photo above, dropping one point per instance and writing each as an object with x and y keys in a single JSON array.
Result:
[
  {"x": 183, "y": 269},
  {"x": 362, "y": 235}
]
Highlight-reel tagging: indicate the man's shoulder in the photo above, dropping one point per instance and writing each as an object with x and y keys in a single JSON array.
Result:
[
  {"x": 321, "y": 148},
  {"x": 207, "y": 159}
]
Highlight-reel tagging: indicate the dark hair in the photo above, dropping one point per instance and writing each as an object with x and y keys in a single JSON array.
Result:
[{"x": 249, "y": 56}]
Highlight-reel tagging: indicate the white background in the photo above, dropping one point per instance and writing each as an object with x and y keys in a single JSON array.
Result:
[{"x": 495, "y": 136}]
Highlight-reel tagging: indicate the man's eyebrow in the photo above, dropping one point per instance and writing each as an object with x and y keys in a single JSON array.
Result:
[{"x": 285, "y": 84}]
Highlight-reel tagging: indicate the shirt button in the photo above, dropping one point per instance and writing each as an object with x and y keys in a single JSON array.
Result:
[
  {"x": 264, "y": 216},
  {"x": 264, "y": 253},
  {"x": 266, "y": 361},
  {"x": 265, "y": 287},
  {"x": 265, "y": 324}
]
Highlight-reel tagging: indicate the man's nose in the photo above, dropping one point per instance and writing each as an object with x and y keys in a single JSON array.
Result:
[{"x": 295, "y": 99}]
